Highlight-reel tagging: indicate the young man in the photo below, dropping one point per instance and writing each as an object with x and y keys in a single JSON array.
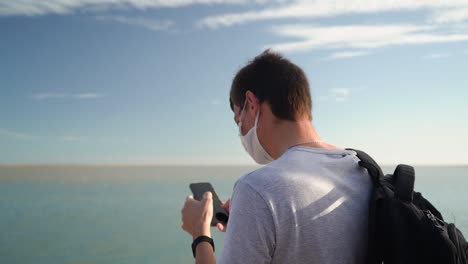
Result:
[{"x": 309, "y": 203}]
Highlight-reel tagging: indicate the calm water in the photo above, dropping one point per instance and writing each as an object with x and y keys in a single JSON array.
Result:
[{"x": 132, "y": 214}]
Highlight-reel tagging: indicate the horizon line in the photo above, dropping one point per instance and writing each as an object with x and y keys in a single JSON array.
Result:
[
  {"x": 94, "y": 165},
  {"x": 90, "y": 165}
]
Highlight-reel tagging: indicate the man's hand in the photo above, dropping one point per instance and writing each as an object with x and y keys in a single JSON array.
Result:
[
  {"x": 197, "y": 215},
  {"x": 226, "y": 206}
]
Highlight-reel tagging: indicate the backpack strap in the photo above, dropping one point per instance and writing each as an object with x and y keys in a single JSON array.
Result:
[
  {"x": 369, "y": 163},
  {"x": 375, "y": 173},
  {"x": 404, "y": 182},
  {"x": 403, "y": 177}
]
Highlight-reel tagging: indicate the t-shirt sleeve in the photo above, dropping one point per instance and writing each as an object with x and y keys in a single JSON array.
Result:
[{"x": 250, "y": 235}]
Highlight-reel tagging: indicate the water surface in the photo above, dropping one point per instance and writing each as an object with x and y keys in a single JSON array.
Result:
[{"x": 132, "y": 214}]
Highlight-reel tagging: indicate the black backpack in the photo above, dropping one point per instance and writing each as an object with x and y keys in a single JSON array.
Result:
[{"x": 403, "y": 226}]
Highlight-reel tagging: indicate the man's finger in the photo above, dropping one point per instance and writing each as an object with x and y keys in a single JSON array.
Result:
[
  {"x": 207, "y": 195},
  {"x": 227, "y": 205},
  {"x": 208, "y": 200},
  {"x": 221, "y": 227}
]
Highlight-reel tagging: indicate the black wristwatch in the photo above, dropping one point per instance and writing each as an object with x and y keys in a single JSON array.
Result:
[{"x": 200, "y": 239}]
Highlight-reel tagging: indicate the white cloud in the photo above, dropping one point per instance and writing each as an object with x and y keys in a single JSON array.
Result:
[
  {"x": 325, "y": 8},
  {"x": 437, "y": 56},
  {"x": 340, "y": 94},
  {"x": 347, "y": 54},
  {"x": 83, "y": 96},
  {"x": 336, "y": 94},
  {"x": 358, "y": 36},
  {"x": 451, "y": 15},
  {"x": 43, "y": 7},
  {"x": 150, "y": 24},
  {"x": 341, "y": 91},
  {"x": 14, "y": 134}
]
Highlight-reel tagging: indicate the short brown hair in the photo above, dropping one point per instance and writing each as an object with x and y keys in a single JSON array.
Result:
[{"x": 276, "y": 80}]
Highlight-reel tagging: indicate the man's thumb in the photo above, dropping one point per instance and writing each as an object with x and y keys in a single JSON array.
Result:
[{"x": 207, "y": 198}]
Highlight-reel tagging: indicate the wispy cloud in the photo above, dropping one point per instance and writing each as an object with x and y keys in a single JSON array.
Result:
[
  {"x": 326, "y": 8},
  {"x": 437, "y": 56},
  {"x": 443, "y": 24},
  {"x": 80, "y": 96},
  {"x": 150, "y": 24},
  {"x": 42, "y": 96},
  {"x": 337, "y": 95},
  {"x": 87, "y": 95},
  {"x": 215, "y": 102},
  {"x": 43, "y": 7},
  {"x": 340, "y": 94},
  {"x": 451, "y": 15},
  {"x": 362, "y": 37},
  {"x": 15, "y": 135},
  {"x": 347, "y": 54}
]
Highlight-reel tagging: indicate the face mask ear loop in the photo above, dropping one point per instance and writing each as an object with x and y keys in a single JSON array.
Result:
[
  {"x": 256, "y": 118},
  {"x": 240, "y": 117},
  {"x": 241, "y": 111},
  {"x": 258, "y": 115}
]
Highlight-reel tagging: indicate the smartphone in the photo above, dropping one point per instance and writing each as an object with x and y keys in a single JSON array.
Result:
[{"x": 219, "y": 214}]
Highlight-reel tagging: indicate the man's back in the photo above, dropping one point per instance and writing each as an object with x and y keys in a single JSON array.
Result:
[{"x": 308, "y": 206}]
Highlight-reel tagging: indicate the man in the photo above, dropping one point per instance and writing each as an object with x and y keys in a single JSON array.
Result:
[{"x": 309, "y": 203}]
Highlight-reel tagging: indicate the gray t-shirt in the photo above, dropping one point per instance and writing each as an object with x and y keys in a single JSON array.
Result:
[{"x": 308, "y": 206}]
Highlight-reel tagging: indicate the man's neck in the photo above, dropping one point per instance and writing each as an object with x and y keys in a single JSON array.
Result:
[{"x": 287, "y": 134}]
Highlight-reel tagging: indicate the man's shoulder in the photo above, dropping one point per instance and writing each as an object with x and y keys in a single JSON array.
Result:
[
  {"x": 261, "y": 178},
  {"x": 253, "y": 176}
]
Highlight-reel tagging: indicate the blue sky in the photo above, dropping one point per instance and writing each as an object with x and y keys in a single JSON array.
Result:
[{"x": 147, "y": 82}]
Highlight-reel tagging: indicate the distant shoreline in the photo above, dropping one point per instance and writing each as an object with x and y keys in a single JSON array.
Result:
[
  {"x": 2, "y": 166},
  {"x": 19, "y": 166}
]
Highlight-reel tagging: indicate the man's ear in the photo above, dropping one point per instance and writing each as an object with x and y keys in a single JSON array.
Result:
[{"x": 252, "y": 103}]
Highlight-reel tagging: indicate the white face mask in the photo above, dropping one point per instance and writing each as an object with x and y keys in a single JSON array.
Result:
[{"x": 251, "y": 143}]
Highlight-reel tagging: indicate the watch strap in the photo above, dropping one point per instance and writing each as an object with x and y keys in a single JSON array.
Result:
[{"x": 199, "y": 240}]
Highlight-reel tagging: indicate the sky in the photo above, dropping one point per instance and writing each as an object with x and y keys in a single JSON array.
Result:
[{"x": 147, "y": 82}]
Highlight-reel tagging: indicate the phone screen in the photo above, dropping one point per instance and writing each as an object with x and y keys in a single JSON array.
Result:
[{"x": 219, "y": 214}]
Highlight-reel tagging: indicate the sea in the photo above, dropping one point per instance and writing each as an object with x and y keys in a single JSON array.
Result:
[{"x": 131, "y": 214}]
